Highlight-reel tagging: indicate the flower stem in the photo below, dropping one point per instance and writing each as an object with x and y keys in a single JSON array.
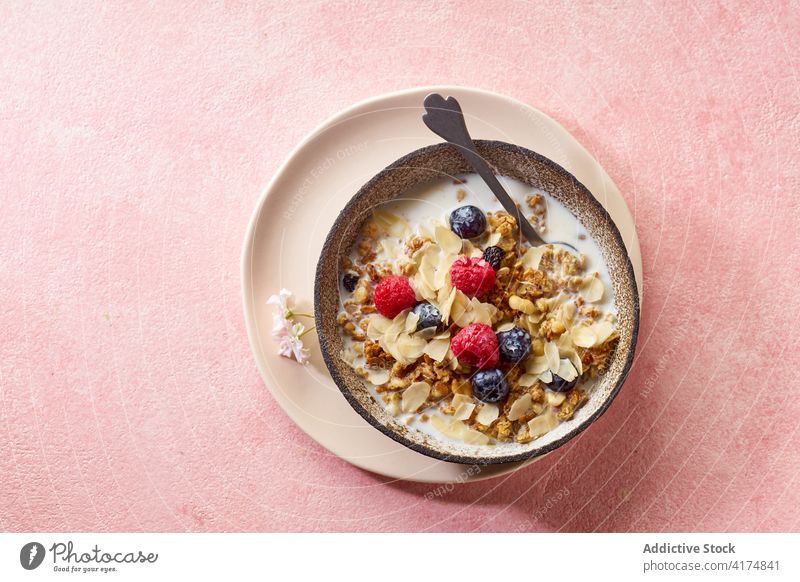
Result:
[
  {"x": 308, "y": 330},
  {"x": 290, "y": 314}
]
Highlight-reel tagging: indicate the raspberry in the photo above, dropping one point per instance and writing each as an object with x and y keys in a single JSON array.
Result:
[
  {"x": 476, "y": 345},
  {"x": 394, "y": 294},
  {"x": 472, "y": 276}
]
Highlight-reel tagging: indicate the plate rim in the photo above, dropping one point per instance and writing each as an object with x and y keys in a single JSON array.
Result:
[{"x": 246, "y": 255}]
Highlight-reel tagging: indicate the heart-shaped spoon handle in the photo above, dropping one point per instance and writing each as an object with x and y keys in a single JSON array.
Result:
[{"x": 445, "y": 118}]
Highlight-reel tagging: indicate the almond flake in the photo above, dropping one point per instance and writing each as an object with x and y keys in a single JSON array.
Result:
[
  {"x": 395, "y": 328},
  {"x": 459, "y": 399},
  {"x": 426, "y": 333},
  {"x": 448, "y": 240},
  {"x": 378, "y": 377},
  {"x": 442, "y": 277},
  {"x": 573, "y": 357},
  {"x": 442, "y": 425},
  {"x": 391, "y": 249},
  {"x": 583, "y": 336},
  {"x": 567, "y": 371},
  {"x": 377, "y": 326},
  {"x": 520, "y": 407},
  {"x": 456, "y": 429},
  {"x": 487, "y": 414},
  {"x": 564, "y": 343},
  {"x": 392, "y": 350},
  {"x": 535, "y": 318},
  {"x": 508, "y": 326},
  {"x": 555, "y": 398},
  {"x": 592, "y": 290},
  {"x": 533, "y": 256},
  {"x": 551, "y": 353},
  {"x": 464, "y": 411},
  {"x": 537, "y": 365},
  {"x": 411, "y": 322},
  {"x": 458, "y": 311},
  {"x": 391, "y": 223},
  {"x": 446, "y": 306},
  {"x": 481, "y": 312},
  {"x": 427, "y": 271},
  {"x": 543, "y": 423},
  {"x": 603, "y": 330},
  {"x": 437, "y": 349},
  {"x": 546, "y": 376},
  {"x": 415, "y": 395},
  {"x": 449, "y": 426},
  {"x": 567, "y": 313},
  {"x": 451, "y": 357},
  {"x": 527, "y": 380},
  {"x": 474, "y": 437},
  {"x": 442, "y": 294},
  {"x": 423, "y": 290},
  {"x": 493, "y": 239},
  {"x": 529, "y": 326},
  {"x": 411, "y": 347}
]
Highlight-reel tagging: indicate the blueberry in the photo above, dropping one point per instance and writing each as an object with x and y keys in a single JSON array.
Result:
[
  {"x": 514, "y": 344},
  {"x": 490, "y": 386},
  {"x": 560, "y": 385},
  {"x": 429, "y": 316},
  {"x": 350, "y": 281},
  {"x": 467, "y": 221},
  {"x": 494, "y": 256}
]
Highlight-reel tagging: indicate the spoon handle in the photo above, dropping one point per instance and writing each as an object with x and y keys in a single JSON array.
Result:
[{"x": 445, "y": 118}]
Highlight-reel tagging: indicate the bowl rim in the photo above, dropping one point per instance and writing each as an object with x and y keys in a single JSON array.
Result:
[{"x": 330, "y": 359}]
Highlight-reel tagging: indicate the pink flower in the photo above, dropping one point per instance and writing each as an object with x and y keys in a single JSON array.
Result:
[
  {"x": 291, "y": 344},
  {"x": 286, "y": 332}
]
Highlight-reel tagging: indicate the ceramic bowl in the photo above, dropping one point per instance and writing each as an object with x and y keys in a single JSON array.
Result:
[{"x": 432, "y": 163}]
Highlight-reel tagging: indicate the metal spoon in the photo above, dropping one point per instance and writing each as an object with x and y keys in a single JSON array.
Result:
[{"x": 445, "y": 118}]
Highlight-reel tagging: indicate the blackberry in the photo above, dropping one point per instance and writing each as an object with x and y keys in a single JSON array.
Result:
[
  {"x": 350, "y": 281},
  {"x": 429, "y": 316},
  {"x": 490, "y": 386},
  {"x": 514, "y": 344},
  {"x": 560, "y": 385},
  {"x": 468, "y": 221},
  {"x": 494, "y": 256}
]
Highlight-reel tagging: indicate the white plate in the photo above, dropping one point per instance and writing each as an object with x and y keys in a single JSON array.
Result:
[{"x": 299, "y": 206}]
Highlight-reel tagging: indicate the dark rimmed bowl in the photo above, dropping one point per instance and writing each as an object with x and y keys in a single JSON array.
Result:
[{"x": 433, "y": 163}]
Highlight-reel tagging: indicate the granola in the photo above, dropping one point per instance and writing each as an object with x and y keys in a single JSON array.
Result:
[{"x": 554, "y": 317}]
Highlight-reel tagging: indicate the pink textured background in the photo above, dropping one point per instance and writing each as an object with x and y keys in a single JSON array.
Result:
[{"x": 135, "y": 140}]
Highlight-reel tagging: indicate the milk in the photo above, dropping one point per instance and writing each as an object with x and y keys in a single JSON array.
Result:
[{"x": 434, "y": 201}]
